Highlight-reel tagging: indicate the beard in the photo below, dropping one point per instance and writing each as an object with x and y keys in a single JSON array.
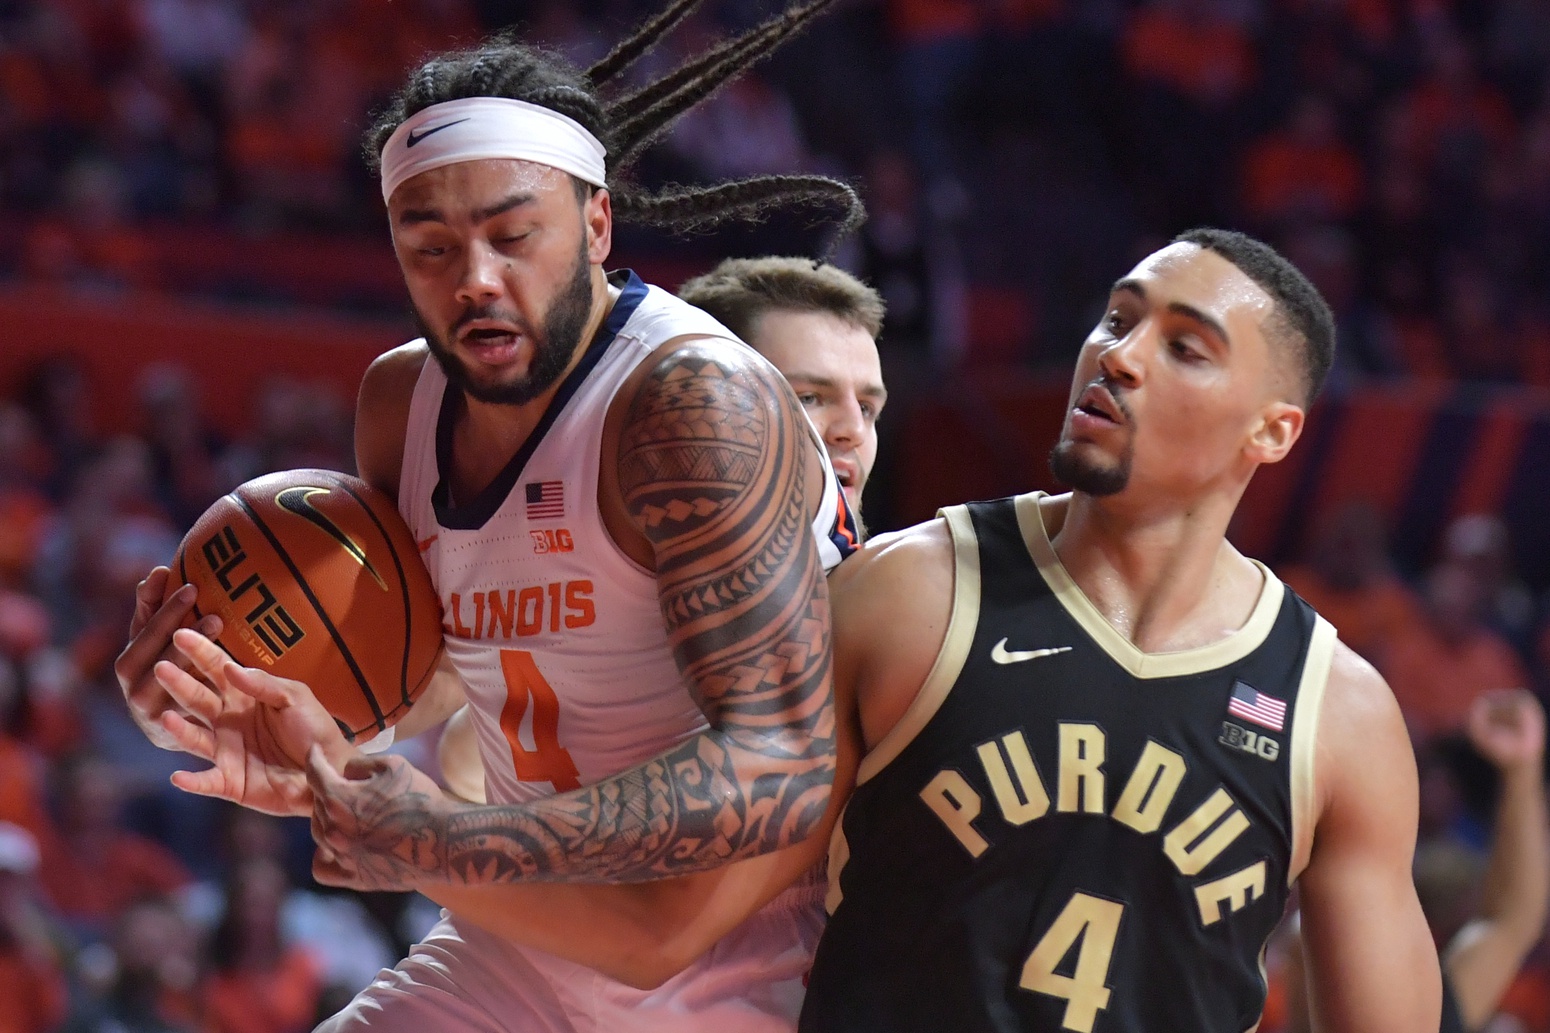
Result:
[
  {"x": 553, "y": 346},
  {"x": 1080, "y": 473}
]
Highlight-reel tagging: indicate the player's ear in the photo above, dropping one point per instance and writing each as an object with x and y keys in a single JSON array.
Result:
[
  {"x": 597, "y": 216},
  {"x": 1279, "y": 427}
]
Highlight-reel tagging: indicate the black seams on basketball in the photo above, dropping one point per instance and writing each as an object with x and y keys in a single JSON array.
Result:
[{"x": 317, "y": 578}]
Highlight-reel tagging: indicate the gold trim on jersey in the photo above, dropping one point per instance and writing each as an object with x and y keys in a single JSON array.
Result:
[
  {"x": 955, "y": 646},
  {"x": 1120, "y": 649},
  {"x": 1304, "y": 739}
]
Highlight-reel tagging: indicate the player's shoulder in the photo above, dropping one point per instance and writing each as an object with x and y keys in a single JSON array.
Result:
[
  {"x": 696, "y": 370},
  {"x": 892, "y": 552},
  {"x": 1356, "y": 691},
  {"x": 382, "y": 413},
  {"x": 892, "y": 604},
  {"x": 390, "y": 379},
  {"x": 1361, "y": 737},
  {"x": 659, "y": 315},
  {"x": 897, "y": 569}
]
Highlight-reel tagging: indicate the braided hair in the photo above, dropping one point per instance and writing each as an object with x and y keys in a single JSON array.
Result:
[{"x": 629, "y": 123}]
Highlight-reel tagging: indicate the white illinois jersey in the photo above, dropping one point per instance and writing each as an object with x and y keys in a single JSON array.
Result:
[{"x": 557, "y": 634}]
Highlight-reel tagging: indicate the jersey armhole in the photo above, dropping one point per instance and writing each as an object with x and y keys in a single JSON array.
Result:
[
  {"x": 1305, "y": 726},
  {"x": 418, "y": 470},
  {"x": 961, "y": 625}
]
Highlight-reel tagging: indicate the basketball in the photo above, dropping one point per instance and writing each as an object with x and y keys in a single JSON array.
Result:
[{"x": 316, "y": 578}]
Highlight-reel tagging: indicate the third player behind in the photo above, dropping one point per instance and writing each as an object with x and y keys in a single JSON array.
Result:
[{"x": 819, "y": 326}]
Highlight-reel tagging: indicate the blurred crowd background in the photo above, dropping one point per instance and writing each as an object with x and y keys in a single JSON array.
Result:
[{"x": 192, "y": 167}]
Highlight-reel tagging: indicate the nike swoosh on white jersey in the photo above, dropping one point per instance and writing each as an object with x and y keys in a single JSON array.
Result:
[{"x": 1001, "y": 655}]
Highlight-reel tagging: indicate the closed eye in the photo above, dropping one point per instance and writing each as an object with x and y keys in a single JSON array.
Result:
[{"x": 1185, "y": 352}]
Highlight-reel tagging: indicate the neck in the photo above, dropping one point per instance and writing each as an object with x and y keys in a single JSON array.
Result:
[
  {"x": 487, "y": 434},
  {"x": 1164, "y": 576}
]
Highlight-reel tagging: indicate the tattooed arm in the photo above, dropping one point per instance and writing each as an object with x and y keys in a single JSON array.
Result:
[{"x": 716, "y": 471}]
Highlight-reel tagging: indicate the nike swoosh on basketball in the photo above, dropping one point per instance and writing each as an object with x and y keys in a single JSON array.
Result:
[
  {"x": 1001, "y": 655},
  {"x": 415, "y": 137},
  {"x": 298, "y": 500}
]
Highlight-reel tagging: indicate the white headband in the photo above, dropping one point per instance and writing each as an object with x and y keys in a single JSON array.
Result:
[{"x": 476, "y": 128}]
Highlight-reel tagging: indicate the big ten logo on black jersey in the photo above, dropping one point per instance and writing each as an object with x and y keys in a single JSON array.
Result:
[{"x": 519, "y": 612}]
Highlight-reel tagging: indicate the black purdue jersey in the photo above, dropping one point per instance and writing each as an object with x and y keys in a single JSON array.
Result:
[{"x": 1063, "y": 832}]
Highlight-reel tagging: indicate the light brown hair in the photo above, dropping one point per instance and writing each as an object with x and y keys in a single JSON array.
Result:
[{"x": 741, "y": 290}]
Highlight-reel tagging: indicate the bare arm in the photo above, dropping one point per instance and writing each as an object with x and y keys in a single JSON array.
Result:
[
  {"x": 891, "y": 603},
  {"x": 1369, "y": 955},
  {"x": 641, "y": 934},
  {"x": 1508, "y": 727},
  {"x": 714, "y": 464}
]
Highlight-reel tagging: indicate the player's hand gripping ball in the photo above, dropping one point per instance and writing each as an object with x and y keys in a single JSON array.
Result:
[{"x": 317, "y": 578}]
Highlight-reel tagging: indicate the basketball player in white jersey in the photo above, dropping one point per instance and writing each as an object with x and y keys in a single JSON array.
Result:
[
  {"x": 628, "y": 520},
  {"x": 818, "y": 325}
]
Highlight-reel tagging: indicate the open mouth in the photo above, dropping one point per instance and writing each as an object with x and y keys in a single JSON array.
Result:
[
  {"x": 1099, "y": 404},
  {"x": 845, "y": 471},
  {"x": 488, "y": 335}
]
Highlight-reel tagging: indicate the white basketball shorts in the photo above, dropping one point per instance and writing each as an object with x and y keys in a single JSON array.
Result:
[{"x": 461, "y": 978}]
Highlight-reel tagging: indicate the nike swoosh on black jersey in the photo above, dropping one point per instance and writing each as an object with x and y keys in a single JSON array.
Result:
[
  {"x": 414, "y": 137},
  {"x": 1001, "y": 655}
]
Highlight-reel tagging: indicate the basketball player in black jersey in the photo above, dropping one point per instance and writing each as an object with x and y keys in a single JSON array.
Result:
[{"x": 1101, "y": 744}]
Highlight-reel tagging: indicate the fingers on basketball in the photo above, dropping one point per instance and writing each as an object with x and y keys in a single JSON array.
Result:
[
  {"x": 212, "y": 662},
  {"x": 148, "y": 636},
  {"x": 148, "y": 597}
]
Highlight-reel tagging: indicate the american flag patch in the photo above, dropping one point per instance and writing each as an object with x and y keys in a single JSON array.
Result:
[
  {"x": 545, "y": 499},
  {"x": 1250, "y": 704}
]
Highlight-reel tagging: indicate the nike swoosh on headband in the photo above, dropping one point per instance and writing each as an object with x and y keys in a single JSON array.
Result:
[{"x": 415, "y": 137}]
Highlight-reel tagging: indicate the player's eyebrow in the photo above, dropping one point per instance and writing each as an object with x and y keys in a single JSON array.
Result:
[
  {"x": 413, "y": 216},
  {"x": 1188, "y": 311}
]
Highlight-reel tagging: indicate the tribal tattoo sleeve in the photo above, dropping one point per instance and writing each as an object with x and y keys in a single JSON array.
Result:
[{"x": 713, "y": 469}]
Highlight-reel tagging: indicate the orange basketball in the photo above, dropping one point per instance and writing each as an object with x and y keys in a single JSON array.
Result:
[{"x": 317, "y": 578}]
